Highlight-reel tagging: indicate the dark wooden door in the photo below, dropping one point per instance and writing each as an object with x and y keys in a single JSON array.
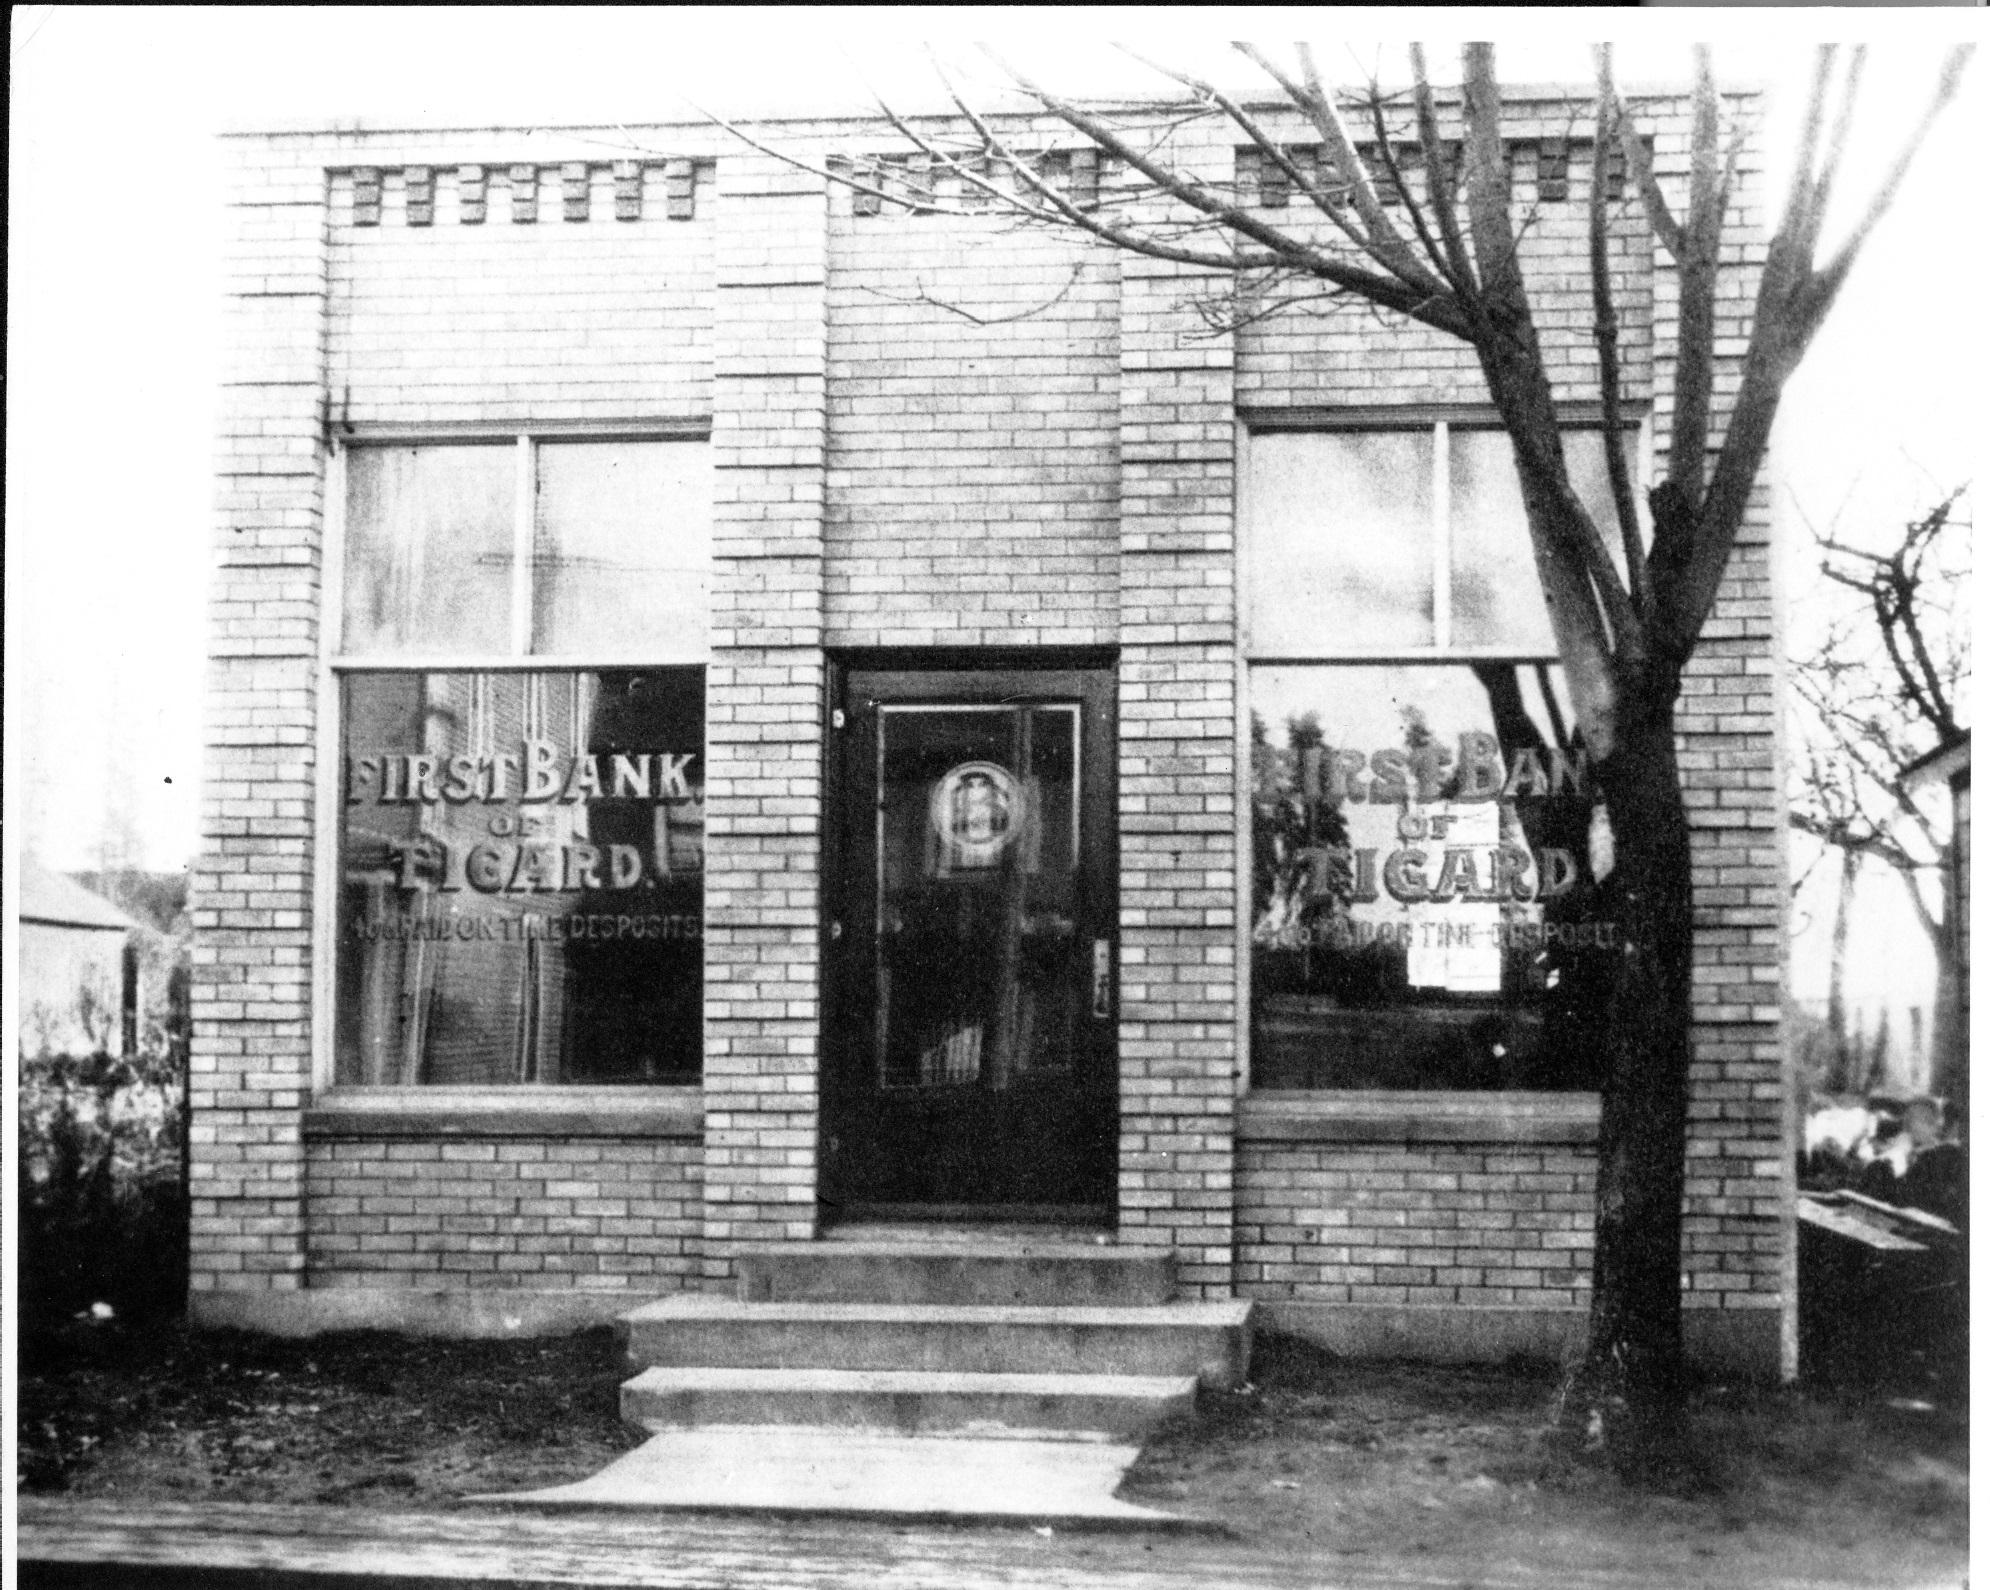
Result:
[{"x": 971, "y": 953}]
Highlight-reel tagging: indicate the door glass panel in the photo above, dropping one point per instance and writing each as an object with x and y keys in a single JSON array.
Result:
[{"x": 977, "y": 894}]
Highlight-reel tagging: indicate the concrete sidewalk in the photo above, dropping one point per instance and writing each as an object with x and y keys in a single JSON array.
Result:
[
  {"x": 1001, "y": 1478},
  {"x": 69, "y": 1545}
]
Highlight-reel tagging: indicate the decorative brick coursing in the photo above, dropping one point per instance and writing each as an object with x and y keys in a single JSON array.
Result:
[
  {"x": 973, "y": 464},
  {"x": 458, "y": 324},
  {"x": 1356, "y": 356},
  {"x": 1416, "y": 1223},
  {"x": 614, "y": 1214},
  {"x": 764, "y": 695}
]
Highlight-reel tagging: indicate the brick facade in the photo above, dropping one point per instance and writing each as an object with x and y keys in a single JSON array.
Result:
[
  {"x": 764, "y": 721},
  {"x": 927, "y": 430},
  {"x": 599, "y": 1214}
]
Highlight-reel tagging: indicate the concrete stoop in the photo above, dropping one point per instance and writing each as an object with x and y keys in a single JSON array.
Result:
[{"x": 901, "y": 1378}]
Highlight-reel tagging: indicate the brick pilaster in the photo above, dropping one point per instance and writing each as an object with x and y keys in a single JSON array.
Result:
[
  {"x": 764, "y": 710},
  {"x": 1739, "y": 1218},
  {"x": 251, "y": 1053},
  {"x": 1177, "y": 773}
]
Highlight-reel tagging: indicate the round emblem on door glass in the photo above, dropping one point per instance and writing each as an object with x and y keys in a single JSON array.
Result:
[{"x": 976, "y": 813}]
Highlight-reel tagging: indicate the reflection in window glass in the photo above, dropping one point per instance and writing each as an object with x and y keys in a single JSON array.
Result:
[
  {"x": 622, "y": 548},
  {"x": 1341, "y": 542},
  {"x": 521, "y": 865},
  {"x": 1430, "y": 897},
  {"x": 1495, "y": 591},
  {"x": 428, "y": 559}
]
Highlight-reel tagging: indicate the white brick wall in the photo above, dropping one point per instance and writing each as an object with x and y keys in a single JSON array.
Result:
[{"x": 889, "y": 473}]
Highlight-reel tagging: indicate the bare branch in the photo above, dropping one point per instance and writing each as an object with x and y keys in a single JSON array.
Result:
[
  {"x": 1599, "y": 636},
  {"x": 1800, "y": 209},
  {"x": 1817, "y": 301},
  {"x": 1841, "y": 127},
  {"x": 925, "y": 298},
  {"x": 1417, "y": 293},
  {"x": 1385, "y": 243},
  {"x": 1606, "y": 346},
  {"x": 1637, "y": 160},
  {"x": 1699, "y": 271},
  {"x": 1790, "y": 305},
  {"x": 824, "y": 170},
  {"x": 1266, "y": 145},
  {"x": 1385, "y": 147},
  {"x": 1442, "y": 180},
  {"x": 1053, "y": 207},
  {"x": 1868, "y": 844}
]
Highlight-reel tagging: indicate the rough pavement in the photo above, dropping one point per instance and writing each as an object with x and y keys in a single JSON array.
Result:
[{"x": 221, "y": 1546}]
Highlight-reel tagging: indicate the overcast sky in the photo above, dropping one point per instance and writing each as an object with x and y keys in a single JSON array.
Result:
[{"x": 113, "y": 290}]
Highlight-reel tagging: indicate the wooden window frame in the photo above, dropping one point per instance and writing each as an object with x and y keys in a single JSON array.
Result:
[
  {"x": 449, "y": 1109},
  {"x": 1401, "y": 1109}
]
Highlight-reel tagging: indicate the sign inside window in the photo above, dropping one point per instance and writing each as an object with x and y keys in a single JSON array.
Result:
[
  {"x": 521, "y": 877},
  {"x": 1429, "y": 879}
]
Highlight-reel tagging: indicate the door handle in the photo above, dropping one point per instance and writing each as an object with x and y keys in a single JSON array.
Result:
[{"x": 1101, "y": 977}]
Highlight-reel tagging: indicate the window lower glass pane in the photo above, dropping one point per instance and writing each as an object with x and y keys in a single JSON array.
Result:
[
  {"x": 1430, "y": 880},
  {"x": 521, "y": 878}
]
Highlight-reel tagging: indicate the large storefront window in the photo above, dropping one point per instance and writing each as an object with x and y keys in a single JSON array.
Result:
[
  {"x": 521, "y": 848},
  {"x": 521, "y": 866},
  {"x": 1430, "y": 860},
  {"x": 1427, "y": 869}
]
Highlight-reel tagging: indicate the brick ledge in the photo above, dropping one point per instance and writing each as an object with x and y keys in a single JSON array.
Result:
[
  {"x": 520, "y": 1112},
  {"x": 1403, "y": 1117}
]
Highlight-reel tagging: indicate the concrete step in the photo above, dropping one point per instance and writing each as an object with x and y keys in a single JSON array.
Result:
[
  {"x": 1208, "y": 1340},
  {"x": 1042, "y": 1274},
  {"x": 1126, "y": 1407}
]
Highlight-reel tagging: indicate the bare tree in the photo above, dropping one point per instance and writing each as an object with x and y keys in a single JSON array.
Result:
[
  {"x": 1881, "y": 690},
  {"x": 1449, "y": 257}
]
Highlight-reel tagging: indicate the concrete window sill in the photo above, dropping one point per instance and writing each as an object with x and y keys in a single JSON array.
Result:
[
  {"x": 1419, "y": 1118},
  {"x": 371, "y": 1113}
]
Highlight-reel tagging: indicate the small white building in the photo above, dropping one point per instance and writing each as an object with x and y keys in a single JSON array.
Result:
[{"x": 79, "y": 968}]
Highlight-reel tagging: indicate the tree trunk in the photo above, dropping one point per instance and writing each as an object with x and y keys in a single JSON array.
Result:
[
  {"x": 1840, "y": 1074},
  {"x": 1948, "y": 1046},
  {"x": 1630, "y": 1388}
]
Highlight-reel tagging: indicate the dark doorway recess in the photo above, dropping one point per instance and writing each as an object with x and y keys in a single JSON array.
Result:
[{"x": 970, "y": 943}]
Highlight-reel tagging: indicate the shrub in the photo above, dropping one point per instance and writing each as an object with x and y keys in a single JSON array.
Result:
[{"x": 103, "y": 1207}]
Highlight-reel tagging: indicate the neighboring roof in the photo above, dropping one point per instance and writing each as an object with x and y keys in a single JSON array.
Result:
[
  {"x": 50, "y": 898},
  {"x": 1944, "y": 762}
]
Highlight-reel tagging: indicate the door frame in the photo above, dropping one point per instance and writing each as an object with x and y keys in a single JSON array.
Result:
[{"x": 846, "y": 987}]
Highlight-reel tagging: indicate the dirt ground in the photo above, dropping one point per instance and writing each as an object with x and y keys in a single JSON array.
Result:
[
  {"x": 1388, "y": 1461},
  {"x": 1405, "y": 1460}
]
